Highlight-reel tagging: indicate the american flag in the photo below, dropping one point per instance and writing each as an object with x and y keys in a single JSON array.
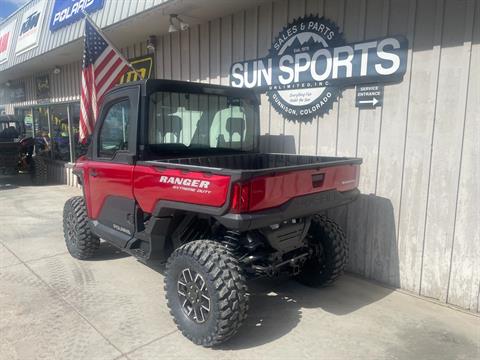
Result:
[{"x": 102, "y": 67}]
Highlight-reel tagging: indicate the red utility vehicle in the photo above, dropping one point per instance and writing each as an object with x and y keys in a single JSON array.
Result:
[{"x": 173, "y": 172}]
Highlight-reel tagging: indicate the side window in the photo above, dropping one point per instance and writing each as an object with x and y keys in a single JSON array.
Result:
[{"x": 114, "y": 131}]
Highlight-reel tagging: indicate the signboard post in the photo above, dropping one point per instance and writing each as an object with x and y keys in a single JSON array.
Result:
[{"x": 369, "y": 96}]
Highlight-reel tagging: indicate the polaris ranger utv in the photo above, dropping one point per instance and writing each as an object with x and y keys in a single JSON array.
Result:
[
  {"x": 17, "y": 151},
  {"x": 173, "y": 173}
]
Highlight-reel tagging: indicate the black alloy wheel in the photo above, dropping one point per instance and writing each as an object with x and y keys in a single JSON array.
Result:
[
  {"x": 206, "y": 292},
  {"x": 193, "y": 294}
]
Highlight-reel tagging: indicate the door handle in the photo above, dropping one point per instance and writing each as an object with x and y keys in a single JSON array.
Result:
[{"x": 93, "y": 173}]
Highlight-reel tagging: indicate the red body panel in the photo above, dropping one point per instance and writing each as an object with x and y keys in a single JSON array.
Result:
[
  {"x": 112, "y": 179},
  {"x": 272, "y": 191},
  {"x": 152, "y": 184},
  {"x": 148, "y": 185}
]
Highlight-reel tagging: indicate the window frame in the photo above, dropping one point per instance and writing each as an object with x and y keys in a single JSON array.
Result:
[
  {"x": 107, "y": 111},
  {"x": 132, "y": 94}
]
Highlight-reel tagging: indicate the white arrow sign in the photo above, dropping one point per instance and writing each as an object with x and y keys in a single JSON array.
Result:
[{"x": 374, "y": 101}]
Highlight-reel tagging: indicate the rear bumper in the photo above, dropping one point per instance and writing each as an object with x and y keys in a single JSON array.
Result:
[{"x": 297, "y": 207}]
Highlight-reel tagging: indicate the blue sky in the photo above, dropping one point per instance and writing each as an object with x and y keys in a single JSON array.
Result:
[{"x": 9, "y": 6}]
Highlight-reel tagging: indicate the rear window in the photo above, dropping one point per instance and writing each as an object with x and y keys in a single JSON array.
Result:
[{"x": 206, "y": 121}]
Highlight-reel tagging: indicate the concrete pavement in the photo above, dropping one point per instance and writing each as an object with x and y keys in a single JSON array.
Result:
[{"x": 55, "y": 307}]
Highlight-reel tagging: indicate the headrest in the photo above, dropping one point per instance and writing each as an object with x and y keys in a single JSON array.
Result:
[
  {"x": 235, "y": 125},
  {"x": 173, "y": 124}
]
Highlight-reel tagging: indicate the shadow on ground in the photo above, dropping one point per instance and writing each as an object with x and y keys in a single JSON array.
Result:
[
  {"x": 108, "y": 252},
  {"x": 9, "y": 182},
  {"x": 277, "y": 306}
]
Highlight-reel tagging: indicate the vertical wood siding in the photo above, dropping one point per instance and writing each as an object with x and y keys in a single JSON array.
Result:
[{"x": 416, "y": 225}]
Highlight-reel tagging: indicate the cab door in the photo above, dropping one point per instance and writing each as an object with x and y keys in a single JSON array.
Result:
[{"x": 110, "y": 173}]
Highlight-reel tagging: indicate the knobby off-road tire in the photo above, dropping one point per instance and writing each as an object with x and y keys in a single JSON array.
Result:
[
  {"x": 81, "y": 243},
  {"x": 331, "y": 256},
  {"x": 212, "y": 265},
  {"x": 39, "y": 171}
]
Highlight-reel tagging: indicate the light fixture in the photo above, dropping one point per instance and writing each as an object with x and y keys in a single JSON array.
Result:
[
  {"x": 183, "y": 25},
  {"x": 151, "y": 43},
  {"x": 172, "y": 27},
  {"x": 57, "y": 70},
  {"x": 177, "y": 24},
  {"x": 8, "y": 83}
]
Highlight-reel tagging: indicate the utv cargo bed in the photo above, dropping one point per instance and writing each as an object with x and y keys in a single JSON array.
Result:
[{"x": 253, "y": 164}]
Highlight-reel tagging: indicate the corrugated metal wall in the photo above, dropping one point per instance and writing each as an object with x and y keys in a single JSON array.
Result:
[
  {"x": 112, "y": 12},
  {"x": 64, "y": 87},
  {"x": 417, "y": 225}
]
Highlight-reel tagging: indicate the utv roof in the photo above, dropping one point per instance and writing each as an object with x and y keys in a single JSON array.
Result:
[{"x": 153, "y": 85}]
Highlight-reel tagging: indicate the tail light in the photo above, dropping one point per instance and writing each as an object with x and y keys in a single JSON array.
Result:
[
  {"x": 248, "y": 195},
  {"x": 240, "y": 198}
]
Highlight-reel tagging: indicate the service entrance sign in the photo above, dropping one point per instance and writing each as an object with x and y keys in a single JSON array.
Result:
[{"x": 369, "y": 96}]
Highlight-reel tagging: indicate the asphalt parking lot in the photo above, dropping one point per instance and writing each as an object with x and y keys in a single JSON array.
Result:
[{"x": 55, "y": 307}]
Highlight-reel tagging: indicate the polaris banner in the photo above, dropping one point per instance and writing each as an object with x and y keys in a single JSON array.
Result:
[
  {"x": 309, "y": 64},
  {"x": 66, "y": 12}
]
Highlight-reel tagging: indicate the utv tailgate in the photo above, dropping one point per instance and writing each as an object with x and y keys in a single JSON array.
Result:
[{"x": 240, "y": 183}]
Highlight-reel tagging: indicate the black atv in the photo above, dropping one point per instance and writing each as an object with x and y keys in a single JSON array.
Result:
[{"x": 17, "y": 152}]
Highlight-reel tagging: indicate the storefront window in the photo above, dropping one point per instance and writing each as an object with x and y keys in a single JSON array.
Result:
[
  {"x": 78, "y": 148},
  {"x": 25, "y": 115},
  {"x": 42, "y": 133},
  {"x": 59, "y": 126},
  {"x": 49, "y": 125}
]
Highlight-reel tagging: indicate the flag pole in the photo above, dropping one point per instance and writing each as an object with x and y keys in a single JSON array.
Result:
[{"x": 87, "y": 17}]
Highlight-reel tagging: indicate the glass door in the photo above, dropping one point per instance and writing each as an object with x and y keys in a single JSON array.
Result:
[
  {"x": 42, "y": 131},
  {"x": 59, "y": 132},
  {"x": 78, "y": 149},
  {"x": 26, "y": 116}
]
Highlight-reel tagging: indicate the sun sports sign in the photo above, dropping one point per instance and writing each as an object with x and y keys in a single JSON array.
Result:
[{"x": 309, "y": 64}]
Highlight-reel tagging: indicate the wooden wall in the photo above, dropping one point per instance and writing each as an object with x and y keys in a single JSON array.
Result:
[{"x": 417, "y": 224}]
